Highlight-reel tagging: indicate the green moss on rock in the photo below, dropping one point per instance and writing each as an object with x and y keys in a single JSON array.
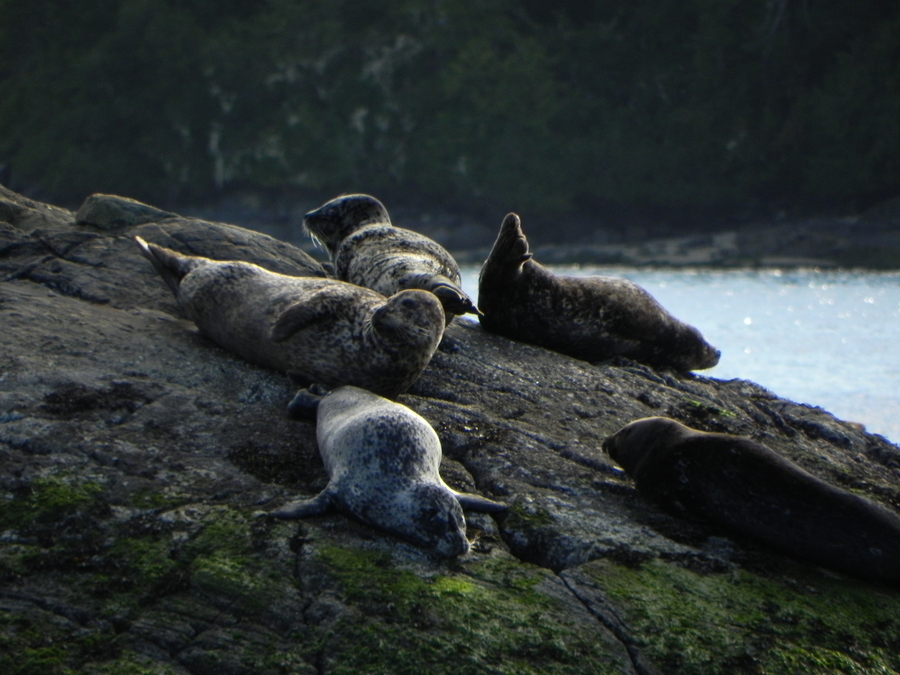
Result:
[
  {"x": 486, "y": 616},
  {"x": 47, "y": 501},
  {"x": 738, "y": 622}
]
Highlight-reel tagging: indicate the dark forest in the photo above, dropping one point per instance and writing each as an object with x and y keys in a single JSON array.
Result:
[{"x": 709, "y": 108}]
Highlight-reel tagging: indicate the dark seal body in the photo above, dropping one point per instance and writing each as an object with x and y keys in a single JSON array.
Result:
[
  {"x": 367, "y": 250},
  {"x": 745, "y": 486},
  {"x": 383, "y": 463},
  {"x": 320, "y": 330},
  {"x": 589, "y": 318}
]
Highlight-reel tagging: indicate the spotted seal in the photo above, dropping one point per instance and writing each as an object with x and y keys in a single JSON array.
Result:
[
  {"x": 319, "y": 330},
  {"x": 369, "y": 251},
  {"x": 590, "y": 318},
  {"x": 382, "y": 460},
  {"x": 746, "y": 487}
]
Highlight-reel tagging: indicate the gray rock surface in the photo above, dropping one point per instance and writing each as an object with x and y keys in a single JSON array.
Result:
[{"x": 136, "y": 455}]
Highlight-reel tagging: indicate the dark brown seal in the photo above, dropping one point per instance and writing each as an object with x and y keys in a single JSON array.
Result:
[
  {"x": 319, "y": 330},
  {"x": 590, "y": 318},
  {"x": 369, "y": 251},
  {"x": 745, "y": 486},
  {"x": 383, "y": 462}
]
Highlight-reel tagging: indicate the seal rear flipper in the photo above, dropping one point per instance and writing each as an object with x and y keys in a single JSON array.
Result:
[
  {"x": 306, "y": 508},
  {"x": 471, "y": 502},
  {"x": 511, "y": 246},
  {"x": 171, "y": 265}
]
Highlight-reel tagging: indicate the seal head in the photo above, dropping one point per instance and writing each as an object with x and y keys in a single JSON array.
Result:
[
  {"x": 383, "y": 463},
  {"x": 367, "y": 250},
  {"x": 589, "y": 318}
]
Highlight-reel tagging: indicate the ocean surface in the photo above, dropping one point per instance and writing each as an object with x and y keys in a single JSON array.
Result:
[{"x": 829, "y": 339}]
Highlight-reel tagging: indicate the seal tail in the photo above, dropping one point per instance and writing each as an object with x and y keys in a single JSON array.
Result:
[
  {"x": 511, "y": 246},
  {"x": 170, "y": 265}
]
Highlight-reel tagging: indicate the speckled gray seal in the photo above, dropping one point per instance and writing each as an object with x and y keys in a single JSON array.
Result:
[
  {"x": 590, "y": 318},
  {"x": 746, "y": 487},
  {"x": 369, "y": 251},
  {"x": 318, "y": 330},
  {"x": 382, "y": 460}
]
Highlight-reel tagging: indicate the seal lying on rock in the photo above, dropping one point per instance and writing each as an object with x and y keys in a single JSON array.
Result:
[
  {"x": 590, "y": 318},
  {"x": 318, "y": 330},
  {"x": 382, "y": 460},
  {"x": 369, "y": 251},
  {"x": 745, "y": 486}
]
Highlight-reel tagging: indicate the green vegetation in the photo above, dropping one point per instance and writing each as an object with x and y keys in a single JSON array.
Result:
[
  {"x": 736, "y": 622},
  {"x": 45, "y": 502},
  {"x": 490, "y": 617},
  {"x": 549, "y": 108}
]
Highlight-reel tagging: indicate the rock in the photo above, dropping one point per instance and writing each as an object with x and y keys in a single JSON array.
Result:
[
  {"x": 110, "y": 212},
  {"x": 136, "y": 456}
]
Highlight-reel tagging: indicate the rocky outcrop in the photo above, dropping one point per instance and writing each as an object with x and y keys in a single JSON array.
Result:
[{"x": 136, "y": 456}]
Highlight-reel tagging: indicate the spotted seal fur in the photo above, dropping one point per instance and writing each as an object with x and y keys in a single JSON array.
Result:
[
  {"x": 590, "y": 318},
  {"x": 382, "y": 460},
  {"x": 319, "y": 330},
  {"x": 746, "y": 487},
  {"x": 369, "y": 251}
]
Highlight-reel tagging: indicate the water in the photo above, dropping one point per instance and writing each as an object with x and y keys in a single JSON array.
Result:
[{"x": 824, "y": 338}]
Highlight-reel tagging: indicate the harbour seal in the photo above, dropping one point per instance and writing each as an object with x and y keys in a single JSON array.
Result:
[
  {"x": 369, "y": 251},
  {"x": 382, "y": 460},
  {"x": 746, "y": 487},
  {"x": 590, "y": 318},
  {"x": 317, "y": 330}
]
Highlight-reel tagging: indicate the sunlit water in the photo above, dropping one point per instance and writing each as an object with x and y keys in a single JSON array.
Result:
[{"x": 824, "y": 338}]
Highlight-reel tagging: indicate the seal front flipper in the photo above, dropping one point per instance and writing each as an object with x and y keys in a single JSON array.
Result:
[
  {"x": 471, "y": 502},
  {"x": 317, "y": 307},
  {"x": 451, "y": 296},
  {"x": 306, "y": 508},
  {"x": 306, "y": 402},
  {"x": 453, "y": 299}
]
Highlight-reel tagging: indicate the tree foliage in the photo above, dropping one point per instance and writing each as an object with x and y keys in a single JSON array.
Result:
[{"x": 510, "y": 104}]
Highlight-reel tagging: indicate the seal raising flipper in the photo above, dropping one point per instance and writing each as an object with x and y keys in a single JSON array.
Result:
[
  {"x": 590, "y": 318},
  {"x": 369, "y": 251},
  {"x": 511, "y": 248},
  {"x": 383, "y": 464},
  {"x": 745, "y": 486},
  {"x": 320, "y": 330}
]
